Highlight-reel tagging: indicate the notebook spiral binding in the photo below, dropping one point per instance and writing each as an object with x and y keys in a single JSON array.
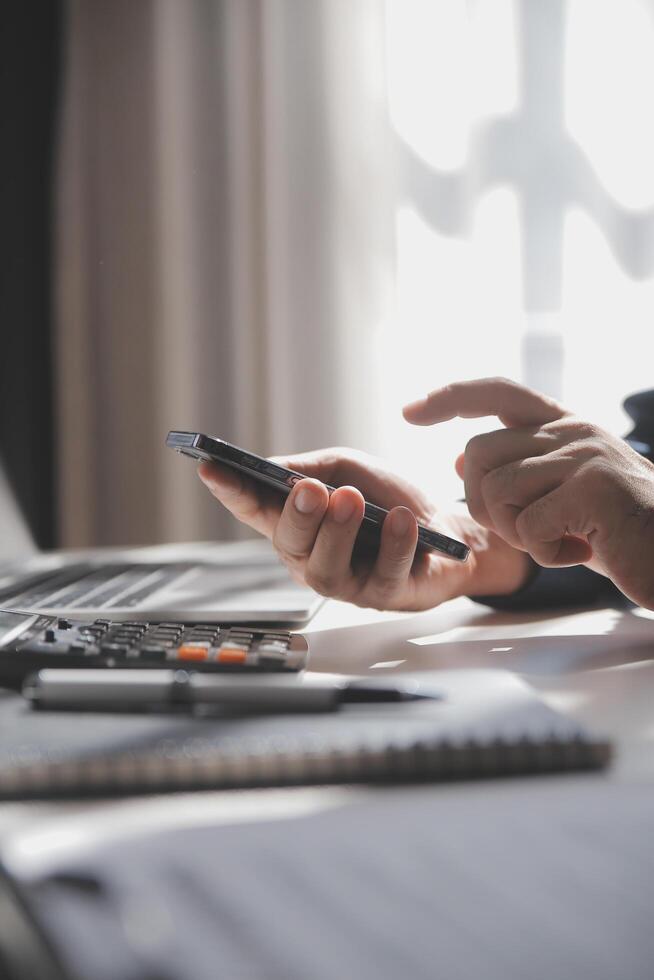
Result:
[{"x": 179, "y": 769}]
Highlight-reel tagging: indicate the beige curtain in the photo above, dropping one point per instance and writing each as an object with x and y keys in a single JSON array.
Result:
[{"x": 224, "y": 246}]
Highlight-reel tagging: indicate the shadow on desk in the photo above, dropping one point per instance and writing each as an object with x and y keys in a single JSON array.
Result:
[
  {"x": 528, "y": 644},
  {"x": 595, "y": 665}
]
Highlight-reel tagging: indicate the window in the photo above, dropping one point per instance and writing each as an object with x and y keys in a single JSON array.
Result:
[{"x": 524, "y": 215}]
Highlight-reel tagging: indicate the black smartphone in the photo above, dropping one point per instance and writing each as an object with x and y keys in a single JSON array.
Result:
[{"x": 202, "y": 447}]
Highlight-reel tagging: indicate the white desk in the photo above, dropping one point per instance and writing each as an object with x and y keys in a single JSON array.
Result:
[
  {"x": 595, "y": 665},
  {"x": 598, "y": 666}
]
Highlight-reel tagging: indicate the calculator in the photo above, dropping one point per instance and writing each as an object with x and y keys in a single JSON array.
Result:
[{"x": 31, "y": 642}]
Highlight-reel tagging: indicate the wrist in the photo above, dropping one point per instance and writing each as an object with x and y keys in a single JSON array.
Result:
[
  {"x": 629, "y": 564},
  {"x": 495, "y": 568}
]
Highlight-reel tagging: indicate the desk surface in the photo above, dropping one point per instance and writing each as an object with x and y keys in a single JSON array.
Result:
[{"x": 595, "y": 665}]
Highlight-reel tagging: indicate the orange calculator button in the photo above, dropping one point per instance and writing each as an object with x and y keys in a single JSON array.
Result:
[
  {"x": 191, "y": 652},
  {"x": 231, "y": 655}
]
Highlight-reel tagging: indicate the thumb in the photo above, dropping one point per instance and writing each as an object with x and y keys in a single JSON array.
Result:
[{"x": 459, "y": 464}]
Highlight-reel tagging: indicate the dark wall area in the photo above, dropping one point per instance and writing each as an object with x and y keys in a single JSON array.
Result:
[{"x": 30, "y": 37}]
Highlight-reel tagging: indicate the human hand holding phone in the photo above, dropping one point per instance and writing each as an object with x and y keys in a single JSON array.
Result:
[{"x": 314, "y": 533}]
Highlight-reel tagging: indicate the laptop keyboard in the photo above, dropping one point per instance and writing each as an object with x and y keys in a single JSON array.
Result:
[{"x": 86, "y": 586}]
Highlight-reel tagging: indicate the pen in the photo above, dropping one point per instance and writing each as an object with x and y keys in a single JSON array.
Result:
[{"x": 116, "y": 689}]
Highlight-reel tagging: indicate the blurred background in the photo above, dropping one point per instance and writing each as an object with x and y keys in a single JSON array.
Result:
[{"x": 278, "y": 220}]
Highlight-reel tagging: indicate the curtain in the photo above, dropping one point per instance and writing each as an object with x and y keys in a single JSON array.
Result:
[
  {"x": 221, "y": 245},
  {"x": 278, "y": 220}
]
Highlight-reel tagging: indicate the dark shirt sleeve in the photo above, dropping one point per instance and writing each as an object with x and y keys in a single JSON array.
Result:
[
  {"x": 577, "y": 586},
  {"x": 550, "y": 587}
]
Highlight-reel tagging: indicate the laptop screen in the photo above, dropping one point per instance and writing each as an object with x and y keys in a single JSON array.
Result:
[{"x": 15, "y": 538}]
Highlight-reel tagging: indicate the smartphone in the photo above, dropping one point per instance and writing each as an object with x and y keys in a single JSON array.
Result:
[{"x": 202, "y": 447}]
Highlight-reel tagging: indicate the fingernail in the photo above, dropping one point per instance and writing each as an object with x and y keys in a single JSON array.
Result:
[
  {"x": 416, "y": 406},
  {"x": 305, "y": 501},
  {"x": 342, "y": 509},
  {"x": 400, "y": 522}
]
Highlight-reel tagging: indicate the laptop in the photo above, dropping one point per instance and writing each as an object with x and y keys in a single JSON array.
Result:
[{"x": 232, "y": 582}]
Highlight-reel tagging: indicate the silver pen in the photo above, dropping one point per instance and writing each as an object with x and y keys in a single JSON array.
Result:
[{"x": 115, "y": 689}]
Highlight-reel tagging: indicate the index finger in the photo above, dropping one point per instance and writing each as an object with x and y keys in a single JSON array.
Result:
[
  {"x": 250, "y": 502},
  {"x": 513, "y": 404}
]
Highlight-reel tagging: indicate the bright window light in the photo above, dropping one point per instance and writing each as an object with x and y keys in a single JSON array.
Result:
[
  {"x": 608, "y": 327},
  {"x": 458, "y": 316},
  {"x": 609, "y": 70},
  {"x": 428, "y": 80},
  {"x": 493, "y": 52},
  {"x": 447, "y": 65},
  {"x": 519, "y": 187}
]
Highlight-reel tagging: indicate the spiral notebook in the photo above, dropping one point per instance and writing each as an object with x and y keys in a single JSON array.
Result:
[{"x": 484, "y": 723}]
